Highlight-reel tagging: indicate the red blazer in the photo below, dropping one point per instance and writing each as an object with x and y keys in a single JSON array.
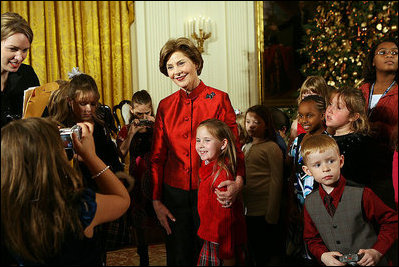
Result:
[
  {"x": 174, "y": 160},
  {"x": 225, "y": 226},
  {"x": 385, "y": 112}
]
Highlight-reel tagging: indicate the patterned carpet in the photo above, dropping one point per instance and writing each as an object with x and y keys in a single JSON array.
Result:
[{"x": 129, "y": 256}]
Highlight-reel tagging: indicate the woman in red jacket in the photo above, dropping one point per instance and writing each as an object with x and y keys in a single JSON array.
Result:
[
  {"x": 380, "y": 89},
  {"x": 174, "y": 160}
]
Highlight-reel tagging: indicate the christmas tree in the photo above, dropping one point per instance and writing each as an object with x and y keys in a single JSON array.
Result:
[{"x": 342, "y": 33}]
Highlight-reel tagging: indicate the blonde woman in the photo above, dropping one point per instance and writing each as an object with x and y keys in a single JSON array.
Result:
[{"x": 16, "y": 77}]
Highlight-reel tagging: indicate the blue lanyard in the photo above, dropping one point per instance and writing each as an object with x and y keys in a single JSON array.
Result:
[{"x": 371, "y": 96}]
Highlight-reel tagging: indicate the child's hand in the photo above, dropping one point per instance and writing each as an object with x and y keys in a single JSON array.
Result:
[
  {"x": 370, "y": 257},
  {"x": 84, "y": 147},
  {"x": 134, "y": 127},
  {"x": 331, "y": 258}
]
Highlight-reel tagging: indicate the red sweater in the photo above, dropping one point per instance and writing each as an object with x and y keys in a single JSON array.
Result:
[
  {"x": 374, "y": 210},
  {"x": 225, "y": 226},
  {"x": 174, "y": 160}
]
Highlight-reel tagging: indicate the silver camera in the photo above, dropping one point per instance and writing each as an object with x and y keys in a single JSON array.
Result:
[{"x": 66, "y": 136}]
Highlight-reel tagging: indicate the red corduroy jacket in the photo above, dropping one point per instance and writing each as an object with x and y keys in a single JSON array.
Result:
[{"x": 225, "y": 226}]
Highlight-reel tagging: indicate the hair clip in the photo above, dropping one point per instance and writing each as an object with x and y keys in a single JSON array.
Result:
[{"x": 75, "y": 71}]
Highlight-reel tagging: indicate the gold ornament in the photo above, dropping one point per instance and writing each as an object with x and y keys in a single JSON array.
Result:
[
  {"x": 394, "y": 28},
  {"x": 364, "y": 24},
  {"x": 379, "y": 26},
  {"x": 384, "y": 8},
  {"x": 385, "y": 30},
  {"x": 371, "y": 6},
  {"x": 345, "y": 76},
  {"x": 331, "y": 83},
  {"x": 355, "y": 74}
]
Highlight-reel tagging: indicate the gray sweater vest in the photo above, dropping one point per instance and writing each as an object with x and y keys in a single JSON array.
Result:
[{"x": 347, "y": 231}]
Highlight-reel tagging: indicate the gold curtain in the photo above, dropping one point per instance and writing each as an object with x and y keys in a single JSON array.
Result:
[{"x": 91, "y": 35}]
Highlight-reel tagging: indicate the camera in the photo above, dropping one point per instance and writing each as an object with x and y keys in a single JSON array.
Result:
[
  {"x": 66, "y": 136},
  {"x": 350, "y": 259},
  {"x": 145, "y": 123}
]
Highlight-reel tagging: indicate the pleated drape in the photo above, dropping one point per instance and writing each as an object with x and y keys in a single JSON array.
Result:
[{"x": 91, "y": 35}]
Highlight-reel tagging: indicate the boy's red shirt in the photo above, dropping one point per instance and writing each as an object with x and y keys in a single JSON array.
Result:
[{"x": 374, "y": 210}]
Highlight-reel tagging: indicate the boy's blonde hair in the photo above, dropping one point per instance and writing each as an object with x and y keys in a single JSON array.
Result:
[
  {"x": 315, "y": 85},
  {"x": 318, "y": 143},
  {"x": 356, "y": 104}
]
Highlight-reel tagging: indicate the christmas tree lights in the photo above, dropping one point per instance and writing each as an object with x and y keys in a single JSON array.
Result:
[{"x": 342, "y": 33}]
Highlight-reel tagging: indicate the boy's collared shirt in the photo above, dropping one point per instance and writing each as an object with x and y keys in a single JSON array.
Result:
[{"x": 374, "y": 210}]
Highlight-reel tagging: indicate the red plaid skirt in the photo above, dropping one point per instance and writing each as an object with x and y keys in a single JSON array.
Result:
[
  {"x": 209, "y": 254},
  {"x": 210, "y": 251}
]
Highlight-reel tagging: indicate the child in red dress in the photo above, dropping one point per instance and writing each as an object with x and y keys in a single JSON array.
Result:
[{"x": 221, "y": 228}]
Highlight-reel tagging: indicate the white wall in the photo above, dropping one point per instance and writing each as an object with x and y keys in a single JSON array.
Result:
[{"x": 229, "y": 57}]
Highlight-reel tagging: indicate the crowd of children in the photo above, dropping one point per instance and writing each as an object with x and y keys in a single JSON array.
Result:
[{"x": 326, "y": 191}]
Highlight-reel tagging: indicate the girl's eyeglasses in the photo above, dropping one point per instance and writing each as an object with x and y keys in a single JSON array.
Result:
[{"x": 383, "y": 52}]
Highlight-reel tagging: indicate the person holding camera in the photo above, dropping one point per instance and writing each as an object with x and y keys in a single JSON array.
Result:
[
  {"x": 81, "y": 105},
  {"x": 16, "y": 40},
  {"x": 136, "y": 138},
  {"x": 47, "y": 216},
  {"x": 344, "y": 222}
]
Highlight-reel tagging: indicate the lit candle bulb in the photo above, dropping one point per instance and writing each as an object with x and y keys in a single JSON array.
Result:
[
  {"x": 208, "y": 25},
  {"x": 190, "y": 27},
  {"x": 195, "y": 27}
]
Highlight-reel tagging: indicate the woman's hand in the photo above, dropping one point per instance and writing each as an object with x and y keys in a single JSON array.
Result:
[
  {"x": 84, "y": 147},
  {"x": 227, "y": 197},
  {"x": 163, "y": 214}
]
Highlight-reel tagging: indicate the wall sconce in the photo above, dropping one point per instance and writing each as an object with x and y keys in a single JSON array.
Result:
[{"x": 199, "y": 29}]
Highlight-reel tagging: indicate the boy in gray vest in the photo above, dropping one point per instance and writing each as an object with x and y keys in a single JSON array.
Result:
[{"x": 340, "y": 217}]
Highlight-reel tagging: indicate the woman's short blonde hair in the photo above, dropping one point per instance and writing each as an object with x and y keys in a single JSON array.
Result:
[
  {"x": 12, "y": 23},
  {"x": 184, "y": 45}
]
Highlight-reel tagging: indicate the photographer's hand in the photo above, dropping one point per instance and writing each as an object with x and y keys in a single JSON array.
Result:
[
  {"x": 84, "y": 147},
  {"x": 330, "y": 258}
]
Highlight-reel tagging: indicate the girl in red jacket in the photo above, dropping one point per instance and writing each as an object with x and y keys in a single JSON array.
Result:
[
  {"x": 380, "y": 89},
  {"x": 221, "y": 228}
]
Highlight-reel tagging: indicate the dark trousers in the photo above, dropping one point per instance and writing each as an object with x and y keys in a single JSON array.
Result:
[
  {"x": 264, "y": 242},
  {"x": 182, "y": 245}
]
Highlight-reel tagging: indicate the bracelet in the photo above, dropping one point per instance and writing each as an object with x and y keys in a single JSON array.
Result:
[{"x": 101, "y": 172}]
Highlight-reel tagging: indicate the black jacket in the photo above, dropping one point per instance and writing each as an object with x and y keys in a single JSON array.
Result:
[{"x": 13, "y": 95}]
